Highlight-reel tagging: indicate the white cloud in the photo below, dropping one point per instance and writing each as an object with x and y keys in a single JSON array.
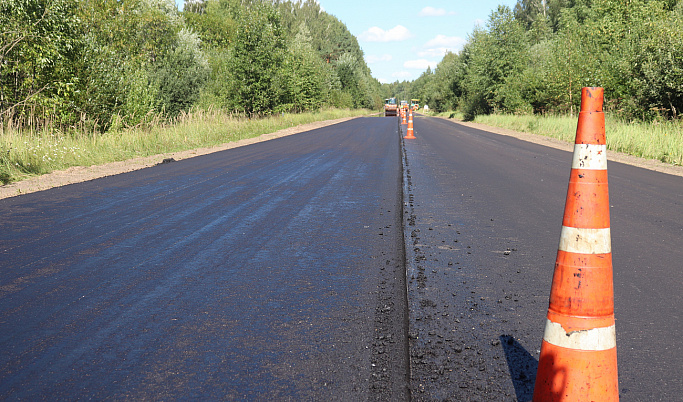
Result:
[
  {"x": 371, "y": 59},
  {"x": 479, "y": 22},
  {"x": 437, "y": 52},
  {"x": 451, "y": 42},
  {"x": 441, "y": 44},
  {"x": 401, "y": 75},
  {"x": 420, "y": 64},
  {"x": 383, "y": 81},
  {"x": 377, "y": 34},
  {"x": 432, "y": 12}
]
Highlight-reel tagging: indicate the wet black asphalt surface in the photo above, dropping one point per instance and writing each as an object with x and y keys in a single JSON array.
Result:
[
  {"x": 273, "y": 271},
  {"x": 277, "y": 271},
  {"x": 483, "y": 214}
]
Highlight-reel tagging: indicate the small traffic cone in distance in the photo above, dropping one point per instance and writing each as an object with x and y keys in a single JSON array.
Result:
[
  {"x": 410, "y": 134},
  {"x": 578, "y": 360},
  {"x": 403, "y": 115}
]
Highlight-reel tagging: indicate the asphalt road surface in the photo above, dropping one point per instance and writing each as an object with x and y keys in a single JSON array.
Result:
[
  {"x": 482, "y": 225},
  {"x": 278, "y": 271},
  {"x": 273, "y": 271}
]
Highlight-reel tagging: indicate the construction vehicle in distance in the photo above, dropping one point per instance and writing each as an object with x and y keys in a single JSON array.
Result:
[
  {"x": 404, "y": 105},
  {"x": 390, "y": 107},
  {"x": 414, "y": 104}
]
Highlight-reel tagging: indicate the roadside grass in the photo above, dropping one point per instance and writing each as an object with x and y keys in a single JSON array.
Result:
[
  {"x": 660, "y": 140},
  {"x": 27, "y": 153}
]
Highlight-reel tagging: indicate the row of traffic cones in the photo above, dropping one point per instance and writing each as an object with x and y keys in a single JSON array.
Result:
[{"x": 578, "y": 360}]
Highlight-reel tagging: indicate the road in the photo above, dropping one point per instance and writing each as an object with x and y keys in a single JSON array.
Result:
[
  {"x": 273, "y": 271},
  {"x": 279, "y": 271},
  {"x": 483, "y": 221}
]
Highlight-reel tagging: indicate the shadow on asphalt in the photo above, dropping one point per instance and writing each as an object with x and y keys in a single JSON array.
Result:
[{"x": 522, "y": 366}]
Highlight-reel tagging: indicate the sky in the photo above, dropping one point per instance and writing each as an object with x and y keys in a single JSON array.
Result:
[{"x": 400, "y": 39}]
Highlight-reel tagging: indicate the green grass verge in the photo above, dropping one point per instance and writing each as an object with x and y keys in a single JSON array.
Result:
[
  {"x": 657, "y": 140},
  {"x": 24, "y": 154}
]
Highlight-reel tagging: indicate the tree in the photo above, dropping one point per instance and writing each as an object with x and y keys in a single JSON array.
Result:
[
  {"x": 39, "y": 44},
  {"x": 495, "y": 60},
  {"x": 302, "y": 75},
  {"x": 658, "y": 67},
  {"x": 214, "y": 21},
  {"x": 138, "y": 61},
  {"x": 181, "y": 75},
  {"x": 255, "y": 59}
]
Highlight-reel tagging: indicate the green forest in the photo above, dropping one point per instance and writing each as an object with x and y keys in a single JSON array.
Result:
[
  {"x": 110, "y": 64},
  {"x": 536, "y": 57}
]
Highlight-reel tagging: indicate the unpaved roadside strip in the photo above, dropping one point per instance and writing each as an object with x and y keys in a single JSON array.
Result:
[
  {"x": 80, "y": 174},
  {"x": 650, "y": 164}
]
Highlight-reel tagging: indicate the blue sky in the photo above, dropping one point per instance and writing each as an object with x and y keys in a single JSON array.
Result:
[{"x": 401, "y": 38}]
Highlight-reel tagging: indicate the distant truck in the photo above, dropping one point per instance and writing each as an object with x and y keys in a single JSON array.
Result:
[
  {"x": 414, "y": 104},
  {"x": 390, "y": 107}
]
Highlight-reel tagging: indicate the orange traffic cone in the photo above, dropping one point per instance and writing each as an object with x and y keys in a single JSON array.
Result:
[
  {"x": 578, "y": 359},
  {"x": 410, "y": 134},
  {"x": 403, "y": 115}
]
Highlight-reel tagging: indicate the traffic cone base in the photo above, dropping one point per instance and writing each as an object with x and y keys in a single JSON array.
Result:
[{"x": 577, "y": 374}]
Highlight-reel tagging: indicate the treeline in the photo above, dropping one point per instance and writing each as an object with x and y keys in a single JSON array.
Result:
[
  {"x": 537, "y": 57},
  {"x": 114, "y": 63}
]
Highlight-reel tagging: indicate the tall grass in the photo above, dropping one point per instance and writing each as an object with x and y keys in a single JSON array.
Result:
[
  {"x": 657, "y": 140},
  {"x": 29, "y": 152}
]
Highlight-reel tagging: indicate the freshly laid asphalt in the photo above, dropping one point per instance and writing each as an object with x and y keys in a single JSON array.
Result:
[
  {"x": 344, "y": 263},
  {"x": 273, "y": 271},
  {"x": 482, "y": 223}
]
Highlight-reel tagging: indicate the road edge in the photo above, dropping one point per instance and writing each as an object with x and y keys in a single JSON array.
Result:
[
  {"x": 80, "y": 174},
  {"x": 615, "y": 156}
]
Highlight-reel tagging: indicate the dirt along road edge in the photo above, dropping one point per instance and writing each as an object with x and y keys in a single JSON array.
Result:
[{"x": 79, "y": 174}]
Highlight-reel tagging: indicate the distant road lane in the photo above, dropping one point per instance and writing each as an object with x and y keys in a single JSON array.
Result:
[{"x": 272, "y": 271}]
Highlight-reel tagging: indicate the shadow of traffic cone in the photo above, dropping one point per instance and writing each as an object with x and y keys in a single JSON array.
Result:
[
  {"x": 410, "y": 134},
  {"x": 578, "y": 360}
]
